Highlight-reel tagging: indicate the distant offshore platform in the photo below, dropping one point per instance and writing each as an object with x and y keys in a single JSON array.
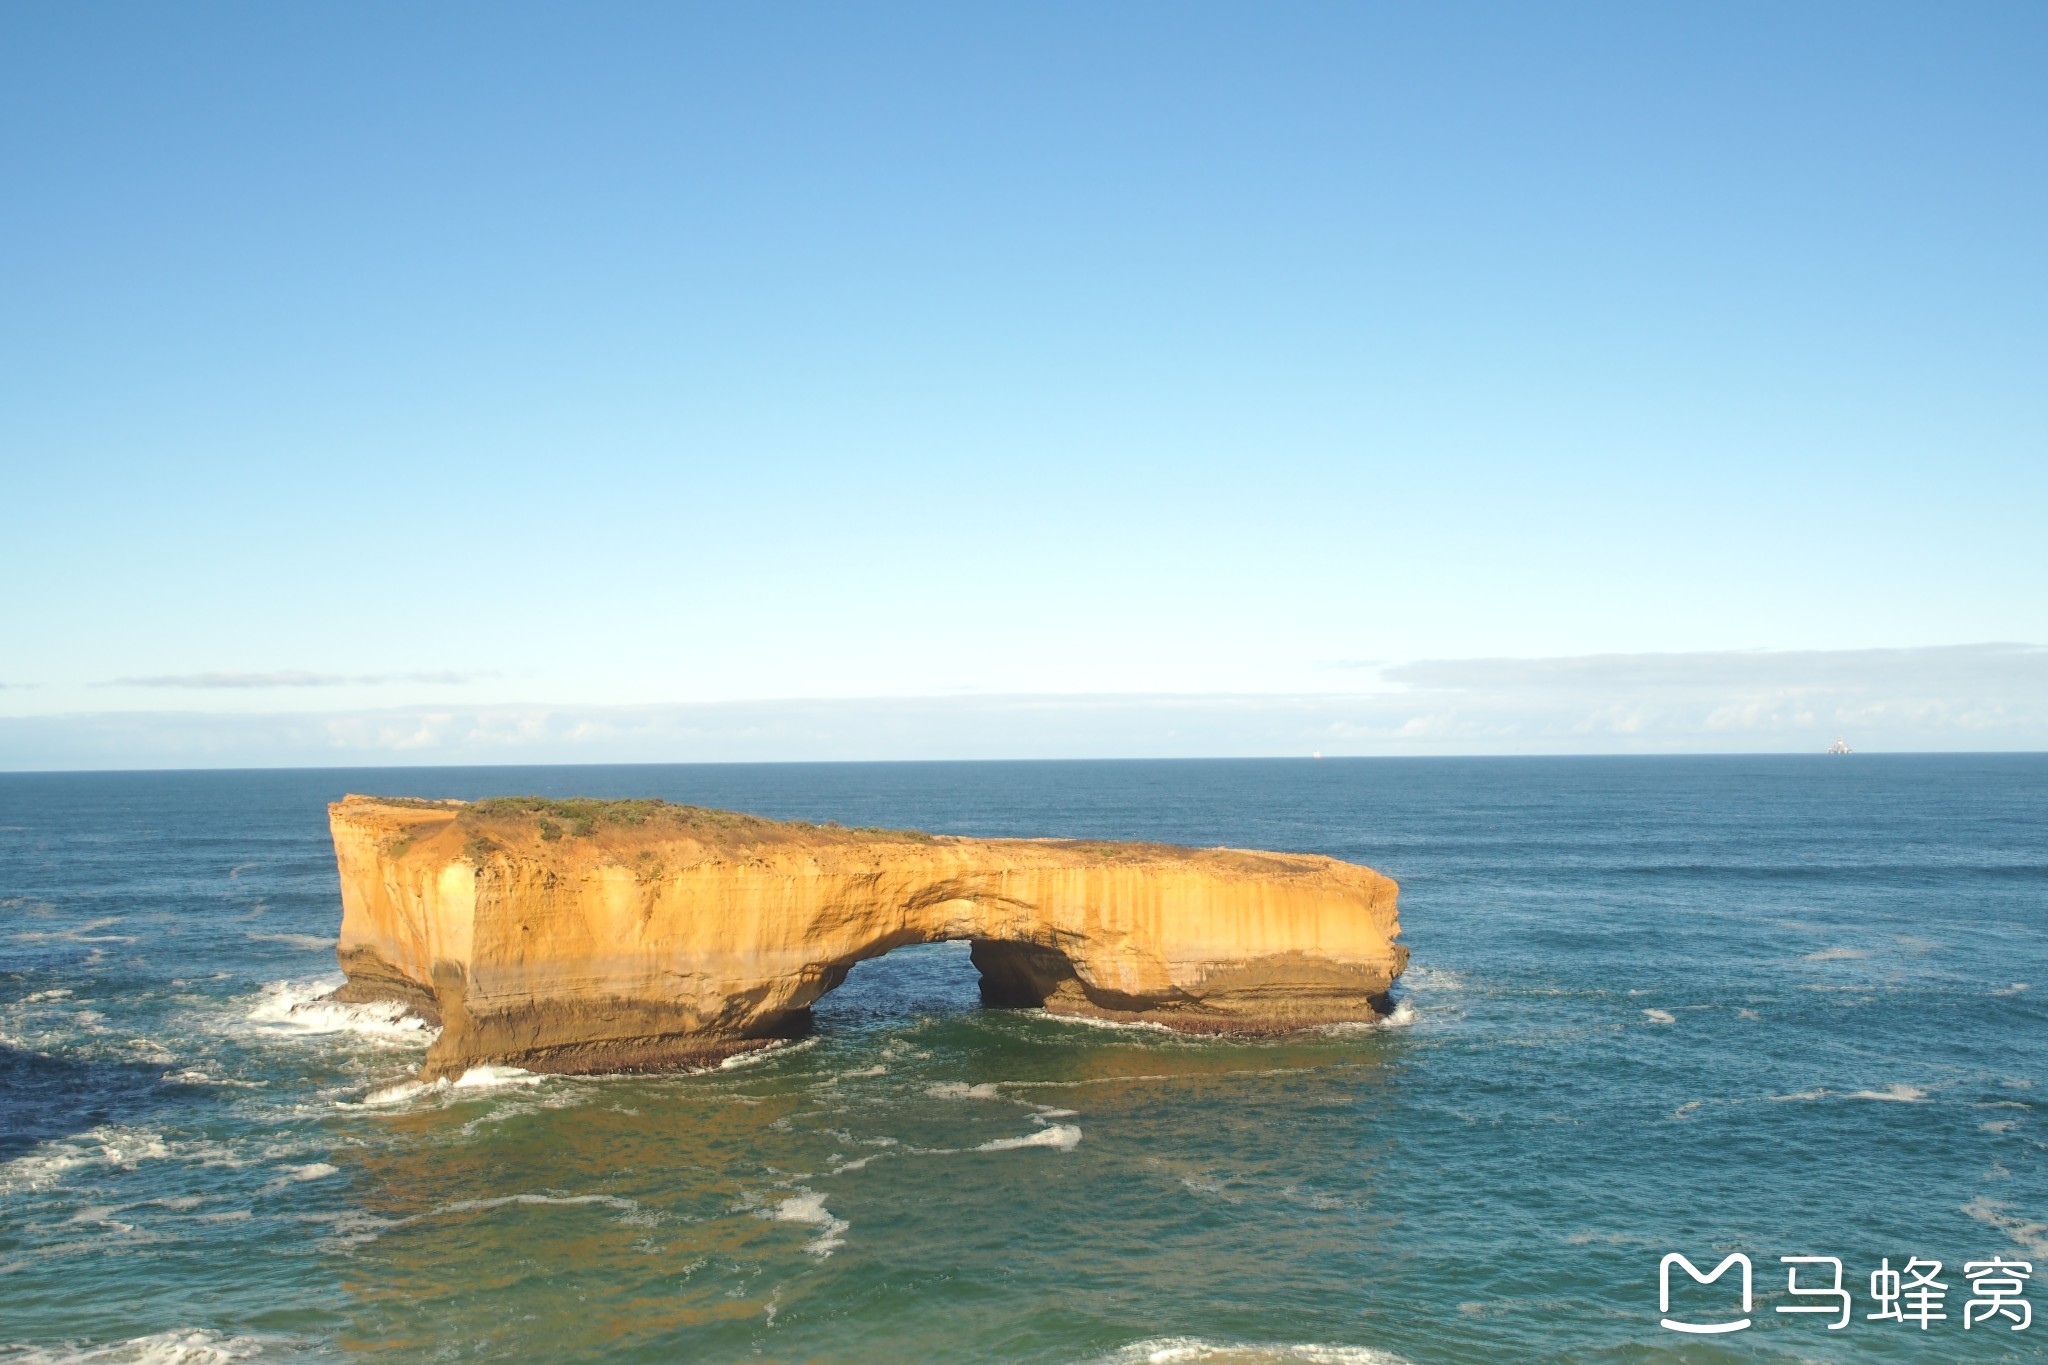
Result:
[{"x": 1840, "y": 746}]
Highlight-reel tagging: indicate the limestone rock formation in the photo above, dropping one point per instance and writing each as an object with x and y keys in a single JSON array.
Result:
[{"x": 581, "y": 936}]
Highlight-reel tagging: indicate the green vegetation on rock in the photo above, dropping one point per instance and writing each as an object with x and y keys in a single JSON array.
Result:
[{"x": 581, "y": 817}]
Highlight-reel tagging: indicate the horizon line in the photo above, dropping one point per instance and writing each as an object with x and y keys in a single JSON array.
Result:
[{"x": 938, "y": 762}]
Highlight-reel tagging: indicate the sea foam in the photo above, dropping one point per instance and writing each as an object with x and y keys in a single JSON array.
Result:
[
  {"x": 110, "y": 1146},
  {"x": 399, "y": 1093},
  {"x": 1122, "y": 1025},
  {"x": 491, "y": 1077},
  {"x": 960, "y": 1090},
  {"x": 768, "y": 1051},
  {"x": 1897, "y": 1094},
  {"x": 1401, "y": 1016},
  {"x": 808, "y": 1206},
  {"x": 1061, "y": 1137},
  {"x": 613, "y": 1201},
  {"x": 312, "y": 943},
  {"x": 300, "y": 1008},
  {"x": 161, "y": 1348},
  {"x": 2027, "y": 1234}
]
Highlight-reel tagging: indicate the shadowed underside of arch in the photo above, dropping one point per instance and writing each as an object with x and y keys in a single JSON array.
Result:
[{"x": 592, "y": 936}]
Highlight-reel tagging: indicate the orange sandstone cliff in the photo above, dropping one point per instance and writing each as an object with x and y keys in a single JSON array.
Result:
[{"x": 636, "y": 935}]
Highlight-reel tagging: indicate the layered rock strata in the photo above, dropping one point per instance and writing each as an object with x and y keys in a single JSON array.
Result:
[{"x": 581, "y": 936}]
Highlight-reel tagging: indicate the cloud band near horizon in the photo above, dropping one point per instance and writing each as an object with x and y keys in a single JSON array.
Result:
[
  {"x": 1975, "y": 697},
  {"x": 290, "y": 678}
]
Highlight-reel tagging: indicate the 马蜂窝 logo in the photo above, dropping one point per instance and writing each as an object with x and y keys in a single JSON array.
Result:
[
  {"x": 1911, "y": 1296},
  {"x": 1664, "y": 1292}
]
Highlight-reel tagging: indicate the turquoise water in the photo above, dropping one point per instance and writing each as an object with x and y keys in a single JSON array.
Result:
[{"x": 1782, "y": 1006}]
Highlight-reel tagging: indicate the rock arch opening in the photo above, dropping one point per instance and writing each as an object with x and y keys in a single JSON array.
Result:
[{"x": 957, "y": 976}]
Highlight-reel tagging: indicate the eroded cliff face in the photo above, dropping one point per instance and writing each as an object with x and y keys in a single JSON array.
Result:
[{"x": 587, "y": 936}]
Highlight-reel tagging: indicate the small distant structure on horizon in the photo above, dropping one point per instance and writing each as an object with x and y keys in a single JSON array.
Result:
[{"x": 1840, "y": 746}]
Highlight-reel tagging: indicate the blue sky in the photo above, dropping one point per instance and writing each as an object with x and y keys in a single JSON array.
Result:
[{"x": 365, "y": 359}]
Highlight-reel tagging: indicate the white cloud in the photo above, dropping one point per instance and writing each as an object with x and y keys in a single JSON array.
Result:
[
  {"x": 1788, "y": 673},
  {"x": 1965, "y": 697},
  {"x": 289, "y": 678}
]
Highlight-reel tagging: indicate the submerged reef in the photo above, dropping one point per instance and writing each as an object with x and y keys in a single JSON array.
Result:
[{"x": 599, "y": 936}]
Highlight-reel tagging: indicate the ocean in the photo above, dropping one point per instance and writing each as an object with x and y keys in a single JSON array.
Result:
[{"x": 1782, "y": 1006}]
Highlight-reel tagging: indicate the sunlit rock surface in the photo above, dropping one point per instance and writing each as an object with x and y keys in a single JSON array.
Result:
[{"x": 584, "y": 936}]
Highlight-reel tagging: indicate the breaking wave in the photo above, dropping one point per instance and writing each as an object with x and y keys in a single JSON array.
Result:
[
  {"x": 302, "y": 1009},
  {"x": 1061, "y": 1137},
  {"x": 109, "y": 1146},
  {"x": 162, "y": 1348},
  {"x": 768, "y": 1051},
  {"x": 808, "y": 1206}
]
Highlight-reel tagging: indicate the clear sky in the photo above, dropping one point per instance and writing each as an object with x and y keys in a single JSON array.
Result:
[{"x": 361, "y": 358}]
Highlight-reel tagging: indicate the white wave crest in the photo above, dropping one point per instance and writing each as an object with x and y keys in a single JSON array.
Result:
[
  {"x": 475, "y": 1078},
  {"x": 310, "y": 942},
  {"x": 1897, "y": 1094},
  {"x": 960, "y": 1090},
  {"x": 766, "y": 1052},
  {"x": 808, "y": 1206},
  {"x": 191, "y": 1077},
  {"x": 79, "y": 933},
  {"x": 111, "y": 1145},
  {"x": 1401, "y": 1016},
  {"x": 161, "y": 1348},
  {"x": 399, "y": 1093},
  {"x": 43, "y": 1166},
  {"x": 1122, "y": 1025},
  {"x": 300, "y": 1009},
  {"x": 500, "y": 1201},
  {"x": 491, "y": 1077},
  {"x": 2032, "y": 1236},
  {"x": 1061, "y": 1137},
  {"x": 353, "y": 1228}
]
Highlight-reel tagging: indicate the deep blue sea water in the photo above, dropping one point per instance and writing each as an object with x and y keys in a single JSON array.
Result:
[{"x": 1780, "y": 1006}]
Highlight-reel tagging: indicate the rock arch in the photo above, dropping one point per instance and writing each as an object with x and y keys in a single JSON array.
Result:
[{"x": 610, "y": 936}]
